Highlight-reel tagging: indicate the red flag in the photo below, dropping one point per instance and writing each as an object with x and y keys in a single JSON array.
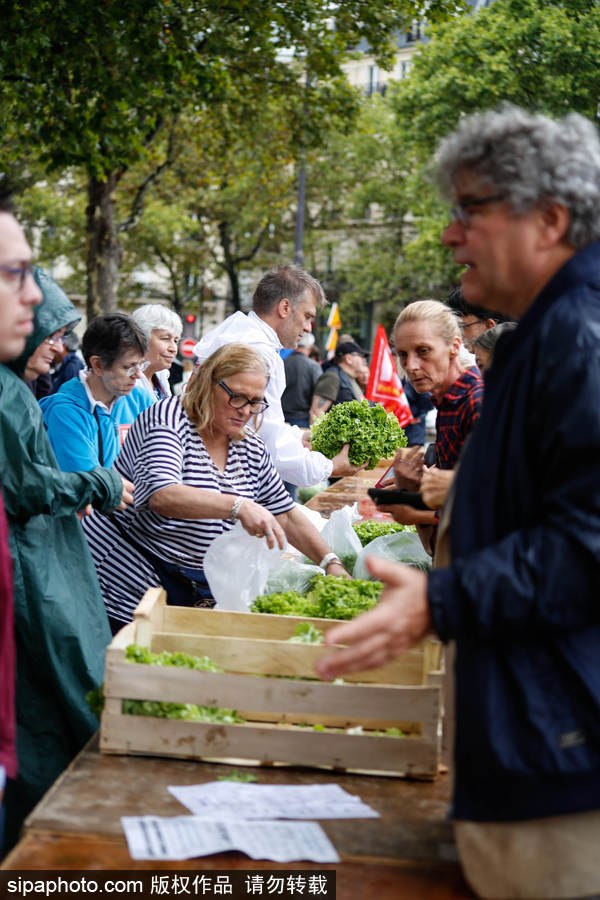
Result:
[{"x": 384, "y": 384}]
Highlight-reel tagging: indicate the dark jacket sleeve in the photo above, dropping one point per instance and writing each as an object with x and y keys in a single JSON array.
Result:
[
  {"x": 544, "y": 575},
  {"x": 8, "y": 755}
]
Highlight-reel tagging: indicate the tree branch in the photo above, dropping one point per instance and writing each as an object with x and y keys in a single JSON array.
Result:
[{"x": 137, "y": 207}]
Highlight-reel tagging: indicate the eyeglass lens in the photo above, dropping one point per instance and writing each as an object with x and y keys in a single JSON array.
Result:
[{"x": 238, "y": 401}]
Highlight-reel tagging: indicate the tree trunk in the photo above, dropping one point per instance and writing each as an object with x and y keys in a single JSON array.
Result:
[
  {"x": 104, "y": 252},
  {"x": 230, "y": 265}
]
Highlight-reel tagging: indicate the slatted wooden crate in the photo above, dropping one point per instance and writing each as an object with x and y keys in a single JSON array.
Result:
[{"x": 404, "y": 694}]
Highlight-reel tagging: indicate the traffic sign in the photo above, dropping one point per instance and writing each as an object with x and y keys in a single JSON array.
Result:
[{"x": 186, "y": 347}]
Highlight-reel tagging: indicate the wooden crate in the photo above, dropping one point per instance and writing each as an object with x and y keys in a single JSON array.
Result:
[{"x": 404, "y": 694}]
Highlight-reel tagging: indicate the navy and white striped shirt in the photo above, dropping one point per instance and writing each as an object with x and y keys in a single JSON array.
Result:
[{"x": 163, "y": 448}]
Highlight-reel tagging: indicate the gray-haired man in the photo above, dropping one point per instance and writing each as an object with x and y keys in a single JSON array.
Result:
[{"x": 519, "y": 593}]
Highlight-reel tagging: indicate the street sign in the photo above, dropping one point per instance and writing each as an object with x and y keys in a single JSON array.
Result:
[{"x": 186, "y": 347}]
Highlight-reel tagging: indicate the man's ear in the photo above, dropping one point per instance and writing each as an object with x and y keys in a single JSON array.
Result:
[
  {"x": 555, "y": 219},
  {"x": 284, "y": 308}
]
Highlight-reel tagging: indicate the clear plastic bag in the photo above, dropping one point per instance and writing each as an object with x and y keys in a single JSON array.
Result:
[
  {"x": 237, "y": 566},
  {"x": 403, "y": 546},
  {"x": 291, "y": 575},
  {"x": 339, "y": 534}
]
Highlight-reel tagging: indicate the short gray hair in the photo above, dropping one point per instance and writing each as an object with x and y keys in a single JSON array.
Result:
[
  {"x": 530, "y": 159},
  {"x": 153, "y": 316},
  {"x": 291, "y": 282},
  {"x": 488, "y": 339}
]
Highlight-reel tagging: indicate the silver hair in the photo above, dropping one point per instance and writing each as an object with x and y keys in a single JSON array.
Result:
[
  {"x": 307, "y": 340},
  {"x": 530, "y": 159},
  {"x": 153, "y": 316},
  {"x": 488, "y": 339}
]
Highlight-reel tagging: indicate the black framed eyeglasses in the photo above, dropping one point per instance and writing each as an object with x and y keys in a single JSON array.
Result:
[
  {"x": 238, "y": 401},
  {"x": 14, "y": 276},
  {"x": 461, "y": 211}
]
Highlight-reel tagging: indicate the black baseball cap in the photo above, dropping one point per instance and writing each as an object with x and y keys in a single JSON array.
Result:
[{"x": 349, "y": 347}]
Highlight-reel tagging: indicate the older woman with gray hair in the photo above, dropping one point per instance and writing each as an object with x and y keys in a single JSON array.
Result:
[{"x": 162, "y": 328}]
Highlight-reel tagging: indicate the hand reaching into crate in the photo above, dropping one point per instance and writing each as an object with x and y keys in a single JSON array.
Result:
[{"x": 397, "y": 623}]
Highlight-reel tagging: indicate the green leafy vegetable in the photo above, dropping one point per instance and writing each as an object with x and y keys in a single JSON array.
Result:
[
  {"x": 369, "y": 530},
  {"x": 188, "y": 711},
  {"x": 95, "y": 700},
  {"x": 372, "y": 433},
  {"x": 137, "y": 654},
  {"x": 329, "y": 597},
  {"x": 306, "y": 633}
]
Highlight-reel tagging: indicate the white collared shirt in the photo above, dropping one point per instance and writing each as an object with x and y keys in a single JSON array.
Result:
[{"x": 83, "y": 376}]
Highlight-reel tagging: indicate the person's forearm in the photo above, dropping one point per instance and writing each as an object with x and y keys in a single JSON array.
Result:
[
  {"x": 303, "y": 535},
  {"x": 180, "y": 501}
]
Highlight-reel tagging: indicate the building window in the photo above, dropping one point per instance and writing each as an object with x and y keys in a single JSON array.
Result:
[{"x": 373, "y": 80}]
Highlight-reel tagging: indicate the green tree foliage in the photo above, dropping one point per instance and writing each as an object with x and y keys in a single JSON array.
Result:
[
  {"x": 93, "y": 83},
  {"x": 539, "y": 54}
]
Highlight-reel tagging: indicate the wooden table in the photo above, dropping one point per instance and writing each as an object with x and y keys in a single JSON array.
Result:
[{"x": 407, "y": 854}]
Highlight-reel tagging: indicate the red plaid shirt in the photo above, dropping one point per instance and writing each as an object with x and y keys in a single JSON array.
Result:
[{"x": 458, "y": 410}]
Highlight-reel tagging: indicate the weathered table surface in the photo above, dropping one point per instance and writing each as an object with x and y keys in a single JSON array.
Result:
[{"x": 407, "y": 854}]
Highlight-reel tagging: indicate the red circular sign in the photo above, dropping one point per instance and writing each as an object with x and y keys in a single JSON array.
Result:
[{"x": 186, "y": 347}]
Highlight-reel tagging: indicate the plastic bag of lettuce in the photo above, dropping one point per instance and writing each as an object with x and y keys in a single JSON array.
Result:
[
  {"x": 372, "y": 433},
  {"x": 328, "y": 597},
  {"x": 401, "y": 546}
]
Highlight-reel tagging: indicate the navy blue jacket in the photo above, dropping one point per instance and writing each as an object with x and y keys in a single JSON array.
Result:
[{"x": 522, "y": 597}]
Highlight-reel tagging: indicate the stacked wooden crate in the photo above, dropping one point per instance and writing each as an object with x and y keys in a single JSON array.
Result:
[{"x": 403, "y": 695}]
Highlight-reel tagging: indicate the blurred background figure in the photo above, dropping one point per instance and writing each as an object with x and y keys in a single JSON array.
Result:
[
  {"x": 55, "y": 315},
  {"x": 339, "y": 383},
  {"x": 301, "y": 376},
  {"x": 315, "y": 353},
  {"x": 68, "y": 361},
  {"x": 420, "y": 405},
  {"x": 162, "y": 329},
  {"x": 474, "y": 320},
  {"x": 485, "y": 344}
]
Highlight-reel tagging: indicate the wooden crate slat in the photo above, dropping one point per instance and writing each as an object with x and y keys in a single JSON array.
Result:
[
  {"x": 159, "y": 737},
  {"x": 388, "y": 703},
  {"x": 270, "y": 657}
]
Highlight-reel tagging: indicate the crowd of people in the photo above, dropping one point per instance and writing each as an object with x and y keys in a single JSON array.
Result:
[{"x": 111, "y": 484}]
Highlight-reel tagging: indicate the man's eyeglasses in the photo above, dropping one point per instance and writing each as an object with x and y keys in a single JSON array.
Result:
[
  {"x": 462, "y": 211},
  {"x": 140, "y": 367},
  {"x": 55, "y": 339},
  {"x": 466, "y": 325},
  {"x": 238, "y": 401},
  {"x": 14, "y": 276}
]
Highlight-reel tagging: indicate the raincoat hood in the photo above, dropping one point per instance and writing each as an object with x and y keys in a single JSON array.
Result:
[{"x": 54, "y": 312}]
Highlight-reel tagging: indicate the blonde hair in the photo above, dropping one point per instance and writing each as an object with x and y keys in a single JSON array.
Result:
[
  {"x": 199, "y": 400},
  {"x": 445, "y": 320}
]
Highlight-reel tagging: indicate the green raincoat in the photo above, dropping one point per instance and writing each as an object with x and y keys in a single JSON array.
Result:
[{"x": 61, "y": 625}]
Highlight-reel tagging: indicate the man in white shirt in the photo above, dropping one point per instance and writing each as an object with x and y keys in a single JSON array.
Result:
[{"x": 283, "y": 308}]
